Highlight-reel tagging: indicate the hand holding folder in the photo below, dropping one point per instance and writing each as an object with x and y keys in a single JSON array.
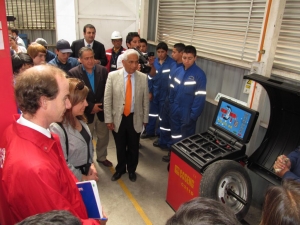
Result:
[{"x": 91, "y": 199}]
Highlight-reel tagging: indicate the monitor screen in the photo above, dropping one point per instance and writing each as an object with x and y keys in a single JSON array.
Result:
[{"x": 234, "y": 119}]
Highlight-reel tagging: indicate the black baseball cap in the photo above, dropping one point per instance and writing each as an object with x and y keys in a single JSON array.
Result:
[{"x": 63, "y": 46}]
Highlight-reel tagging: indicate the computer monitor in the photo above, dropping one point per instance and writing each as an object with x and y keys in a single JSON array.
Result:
[{"x": 234, "y": 119}]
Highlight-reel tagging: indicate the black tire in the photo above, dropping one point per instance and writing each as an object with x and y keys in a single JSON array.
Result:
[{"x": 223, "y": 175}]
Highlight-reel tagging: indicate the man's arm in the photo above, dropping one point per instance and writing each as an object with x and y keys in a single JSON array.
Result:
[
  {"x": 73, "y": 54},
  {"x": 286, "y": 166},
  {"x": 119, "y": 62},
  {"x": 152, "y": 72},
  {"x": 108, "y": 100},
  {"x": 40, "y": 188},
  {"x": 145, "y": 101},
  {"x": 200, "y": 95},
  {"x": 101, "y": 55}
]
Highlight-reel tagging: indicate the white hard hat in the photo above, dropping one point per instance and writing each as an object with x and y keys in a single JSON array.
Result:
[{"x": 116, "y": 35}]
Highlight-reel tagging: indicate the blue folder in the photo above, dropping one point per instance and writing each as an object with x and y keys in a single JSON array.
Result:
[{"x": 91, "y": 199}]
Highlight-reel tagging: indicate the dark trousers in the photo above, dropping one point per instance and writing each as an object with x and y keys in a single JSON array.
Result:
[{"x": 127, "y": 145}]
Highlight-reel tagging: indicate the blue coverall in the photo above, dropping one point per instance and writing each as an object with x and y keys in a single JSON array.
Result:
[
  {"x": 158, "y": 86},
  {"x": 187, "y": 100},
  {"x": 165, "y": 122}
]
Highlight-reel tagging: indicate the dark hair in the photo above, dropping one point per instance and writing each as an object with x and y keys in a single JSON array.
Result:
[
  {"x": 88, "y": 26},
  {"x": 190, "y": 49},
  {"x": 131, "y": 35},
  {"x": 54, "y": 217},
  {"x": 75, "y": 97},
  {"x": 84, "y": 49},
  {"x": 14, "y": 30},
  {"x": 20, "y": 59},
  {"x": 203, "y": 211},
  {"x": 162, "y": 45},
  {"x": 179, "y": 47},
  {"x": 143, "y": 40},
  {"x": 34, "y": 83},
  {"x": 282, "y": 204}
]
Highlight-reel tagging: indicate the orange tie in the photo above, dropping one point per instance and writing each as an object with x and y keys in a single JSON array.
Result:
[{"x": 127, "y": 107}]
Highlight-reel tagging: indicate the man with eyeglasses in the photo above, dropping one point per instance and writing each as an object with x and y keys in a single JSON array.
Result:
[
  {"x": 33, "y": 171},
  {"x": 94, "y": 77},
  {"x": 187, "y": 96}
]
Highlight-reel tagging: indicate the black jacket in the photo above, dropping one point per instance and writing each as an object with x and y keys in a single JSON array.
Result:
[
  {"x": 92, "y": 97},
  {"x": 98, "y": 48}
]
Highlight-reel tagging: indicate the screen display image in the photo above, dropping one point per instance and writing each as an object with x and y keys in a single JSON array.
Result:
[{"x": 235, "y": 119}]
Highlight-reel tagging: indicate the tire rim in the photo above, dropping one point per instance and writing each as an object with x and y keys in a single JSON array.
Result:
[{"x": 236, "y": 182}]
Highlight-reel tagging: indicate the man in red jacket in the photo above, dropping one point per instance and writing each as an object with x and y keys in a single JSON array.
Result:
[
  {"x": 33, "y": 172},
  {"x": 113, "y": 53}
]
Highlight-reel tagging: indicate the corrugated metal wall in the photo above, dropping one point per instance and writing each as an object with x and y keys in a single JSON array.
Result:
[
  {"x": 228, "y": 80},
  {"x": 220, "y": 78},
  {"x": 48, "y": 35}
]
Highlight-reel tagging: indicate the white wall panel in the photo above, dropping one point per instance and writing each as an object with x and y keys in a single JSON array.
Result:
[
  {"x": 108, "y": 16},
  {"x": 65, "y": 20}
]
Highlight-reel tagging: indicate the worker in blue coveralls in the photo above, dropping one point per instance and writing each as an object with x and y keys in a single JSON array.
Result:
[
  {"x": 187, "y": 96},
  {"x": 164, "y": 141},
  {"x": 158, "y": 88},
  {"x": 288, "y": 167}
]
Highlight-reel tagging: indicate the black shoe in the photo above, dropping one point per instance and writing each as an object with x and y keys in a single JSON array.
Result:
[
  {"x": 132, "y": 177},
  {"x": 166, "y": 158},
  {"x": 145, "y": 135},
  {"x": 116, "y": 176},
  {"x": 163, "y": 147},
  {"x": 156, "y": 144}
]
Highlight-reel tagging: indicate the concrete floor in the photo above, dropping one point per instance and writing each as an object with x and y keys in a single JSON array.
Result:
[{"x": 142, "y": 202}]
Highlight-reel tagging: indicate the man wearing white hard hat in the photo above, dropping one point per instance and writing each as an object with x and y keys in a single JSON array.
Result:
[{"x": 113, "y": 53}]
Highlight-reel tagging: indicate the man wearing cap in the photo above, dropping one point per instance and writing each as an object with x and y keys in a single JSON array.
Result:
[
  {"x": 89, "y": 33},
  {"x": 63, "y": 59},
  {"x": 113, "y": 53},
  {"x": 49, "y": 54}
]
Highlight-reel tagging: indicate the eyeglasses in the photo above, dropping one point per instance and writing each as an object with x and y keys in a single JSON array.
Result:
[{"x": 79, "y": 86}]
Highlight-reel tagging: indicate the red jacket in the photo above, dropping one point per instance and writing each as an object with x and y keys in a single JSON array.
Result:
[
  {"x": 108, "y": 56},
  {"x": 35, "y": 177}
]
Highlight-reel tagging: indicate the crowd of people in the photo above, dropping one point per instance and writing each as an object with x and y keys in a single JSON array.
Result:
[{"x": 105, "y": 91}]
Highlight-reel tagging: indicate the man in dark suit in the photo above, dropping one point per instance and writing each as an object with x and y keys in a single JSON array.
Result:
[
  {"x": 89, "y": 33},
  {"x": 126, "y": 108},
  {"x": 94, "y": 77}
]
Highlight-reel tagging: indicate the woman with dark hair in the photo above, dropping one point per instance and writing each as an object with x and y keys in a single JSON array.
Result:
[
  {"x": 282, "y": 204},
  {"x": 20, "y": 62},
  {"x": 14, "y": 45},
  {"x": 75, "y": 136}
]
